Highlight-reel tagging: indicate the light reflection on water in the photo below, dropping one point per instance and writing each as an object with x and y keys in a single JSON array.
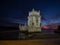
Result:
[
  {"x": 48, "y": 31},
  {"x": 15, "y": 35}
]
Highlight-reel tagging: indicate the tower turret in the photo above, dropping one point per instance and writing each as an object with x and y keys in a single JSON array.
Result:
[{"x": 34, "y": 21}]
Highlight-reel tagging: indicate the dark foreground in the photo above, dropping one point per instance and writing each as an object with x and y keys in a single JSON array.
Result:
[
  {"x": 27, "y": 42},
  {"x": 14, "y": 38},
  {"x": 17, "y": 35}
]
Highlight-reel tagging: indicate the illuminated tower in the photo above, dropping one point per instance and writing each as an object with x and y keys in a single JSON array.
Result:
[{"x": 34, "y": 21}]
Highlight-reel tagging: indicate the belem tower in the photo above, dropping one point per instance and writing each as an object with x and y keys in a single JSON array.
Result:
[{"x": 33, "y": 22}]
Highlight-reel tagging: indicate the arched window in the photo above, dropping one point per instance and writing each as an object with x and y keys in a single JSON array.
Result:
[
  {"x": 37, "y": 20},
  {"x": 32, "y": 24}
]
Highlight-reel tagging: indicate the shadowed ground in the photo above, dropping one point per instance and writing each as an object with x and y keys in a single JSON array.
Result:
[{"x": 27, "y": 42}]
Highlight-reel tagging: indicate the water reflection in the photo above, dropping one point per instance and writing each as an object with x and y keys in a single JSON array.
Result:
[
  {"x": 18, "y": 34},
  {"x": 48, "y": 31}
]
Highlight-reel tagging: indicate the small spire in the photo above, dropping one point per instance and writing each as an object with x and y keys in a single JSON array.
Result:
[
  {"x": 25, "y": 24},
  {"x": 33, "y": 9}
]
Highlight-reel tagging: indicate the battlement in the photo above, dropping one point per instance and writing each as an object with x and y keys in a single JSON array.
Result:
[{"x": 34, "y": 12}]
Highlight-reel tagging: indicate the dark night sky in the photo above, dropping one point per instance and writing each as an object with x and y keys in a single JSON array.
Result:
[{"x": 16, "y": 11}]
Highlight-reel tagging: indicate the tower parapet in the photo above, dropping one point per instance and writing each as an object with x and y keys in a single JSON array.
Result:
[{"x": 33, "y": 12}]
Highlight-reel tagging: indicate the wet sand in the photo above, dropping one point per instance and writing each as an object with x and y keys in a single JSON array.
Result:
[{"x": 26, "y": 42}]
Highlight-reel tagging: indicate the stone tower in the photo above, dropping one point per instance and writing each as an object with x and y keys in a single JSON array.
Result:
[{"x": 34, "y": 21}]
